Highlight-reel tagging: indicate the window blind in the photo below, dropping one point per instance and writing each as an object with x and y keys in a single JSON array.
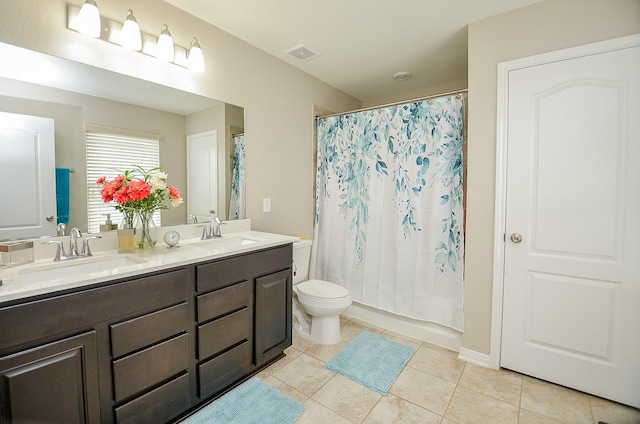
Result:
[{"x": 110, "y": 152}]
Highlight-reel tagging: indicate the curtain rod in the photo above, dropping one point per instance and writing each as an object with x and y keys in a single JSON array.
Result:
[{"x": 433, "y": 96}]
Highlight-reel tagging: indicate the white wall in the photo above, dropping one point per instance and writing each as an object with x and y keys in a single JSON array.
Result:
[
  {"x": 277, "y": 97},
  {"x": 543, "y": 27}
]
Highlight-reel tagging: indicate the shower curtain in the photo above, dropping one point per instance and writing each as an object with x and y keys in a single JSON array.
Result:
[
  {"x": 237, "y": 205},
  {"x": 389, "y": 208}
]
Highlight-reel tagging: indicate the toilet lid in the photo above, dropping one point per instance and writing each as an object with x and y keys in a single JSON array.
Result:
[{"x": 322, "y": 289}]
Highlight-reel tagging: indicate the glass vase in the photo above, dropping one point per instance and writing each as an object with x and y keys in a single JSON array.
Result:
[{"x": 146, "y": 230}]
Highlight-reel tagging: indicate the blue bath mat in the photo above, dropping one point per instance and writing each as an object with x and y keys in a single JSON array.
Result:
[
  {"x": 253, "y": 402},
  {"x": 372, "y": 360}
]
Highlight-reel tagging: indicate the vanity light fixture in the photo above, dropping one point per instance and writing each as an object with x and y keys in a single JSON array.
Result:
[
  {"x": 130, "y": 37},
  {"x": 164, "y": 48},
  {"x": 195, "y": 59},
  {"x": 89, "y": 19}
]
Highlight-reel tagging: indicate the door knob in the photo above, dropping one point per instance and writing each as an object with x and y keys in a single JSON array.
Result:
[
  {"x": 516, "y": 237},
  {"x": 49, "y": 218}
]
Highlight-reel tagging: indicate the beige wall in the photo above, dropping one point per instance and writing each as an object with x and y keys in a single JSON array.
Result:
[
  {"x": 543, "y": 27},
  {"x": 277, "y": 97}
]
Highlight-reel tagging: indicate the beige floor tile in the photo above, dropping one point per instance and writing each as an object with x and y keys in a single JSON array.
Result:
[
  {"x": 291, "y": 354},
  {"x": 394, "y": 410},
  {"x": 285, "y": 389},
  {"x": 554, "y": 401},
  {"x": 351, "y": 330},
  {"x": 344, "y": 319},
  {"x": 370, "y": 327},
  {"x": 528, "y": 417},
  {"x": 305, "y": 374},
  {"x": 325, "y": 353},
  {"x": 447, "y": 421},
  {"x": 424, "y": 390},
  {"x": 500, "y": 384},
  {"x": 471, "y": 407},
  {"x": 445, "y": 365},
  {"x": 612, "y": 412},
  {"x": 347, "y": 398},
  {"x": 318, "y": 414},
  {"x": 301, "y": 343},
  {"x": 401, "y": 338}
]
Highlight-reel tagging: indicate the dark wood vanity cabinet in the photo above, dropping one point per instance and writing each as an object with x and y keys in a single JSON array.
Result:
[
  {"x": 145, "y": 349},
  {"x": 52, "y": 383},
  {"x": 243, "y": 315}
]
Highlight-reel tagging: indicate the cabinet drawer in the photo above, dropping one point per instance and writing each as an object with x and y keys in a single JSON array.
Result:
[
  {"x": 223, "y": 333},
  {"x": 224, "y": 301},
  {"x": 224, "y": 369},
  {"x": 140, "y": 332},
  {"x": 134, "y": 373},
  {"x": 76, "y": 310},
  {"x": 159, "y": 405},
  {"x": 225, "y": 272}
]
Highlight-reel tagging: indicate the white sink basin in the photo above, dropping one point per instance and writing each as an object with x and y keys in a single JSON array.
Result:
[
  {"x": 85, "y": 267},
  {"x": 225, "y": 243}
]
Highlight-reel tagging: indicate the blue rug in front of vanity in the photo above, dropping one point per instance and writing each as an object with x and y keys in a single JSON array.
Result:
[
  {"x": 252, "y": 402},
  {"x": 372, "y": 360}
]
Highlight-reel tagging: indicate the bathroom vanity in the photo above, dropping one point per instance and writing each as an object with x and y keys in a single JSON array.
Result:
[{"x": 148, "y": 344}]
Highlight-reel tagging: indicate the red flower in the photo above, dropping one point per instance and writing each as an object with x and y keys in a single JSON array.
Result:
[
  {"x": 139, "y": 190},
  {"x": 173, "y": 192}
]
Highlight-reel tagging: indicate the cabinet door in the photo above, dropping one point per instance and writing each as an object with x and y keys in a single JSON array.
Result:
[
  {"x": 273, "y": 315},
  {"x": 52, "y": 383}
]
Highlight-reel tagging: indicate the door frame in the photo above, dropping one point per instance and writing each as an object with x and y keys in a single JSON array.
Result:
[{"x": 499, "y": 237}]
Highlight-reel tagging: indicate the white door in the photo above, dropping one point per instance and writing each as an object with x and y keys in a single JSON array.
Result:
[
  {"x": 571, "y": 311},
  {"x": 27, "y": 176},
  {"x": 202, "y": 174}
]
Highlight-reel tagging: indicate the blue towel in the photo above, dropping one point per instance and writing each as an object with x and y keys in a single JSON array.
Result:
[{"x": 63, "y": 186}]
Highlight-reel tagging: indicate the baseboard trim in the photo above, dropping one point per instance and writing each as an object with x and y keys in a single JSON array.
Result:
[
  {"x": 421, "y": 330},
  {"x": 474, "y": 357}
]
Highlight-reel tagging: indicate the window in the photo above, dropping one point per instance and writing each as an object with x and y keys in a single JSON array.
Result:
[{"x": 109, "y": 153}]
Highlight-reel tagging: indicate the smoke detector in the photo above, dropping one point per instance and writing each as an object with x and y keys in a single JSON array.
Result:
[
  {"x": 301, "y": 52},
  {"x": 402, "y": 75}
]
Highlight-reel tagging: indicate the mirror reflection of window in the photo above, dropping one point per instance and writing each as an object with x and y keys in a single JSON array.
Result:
[{"x": 110, "y": 152}]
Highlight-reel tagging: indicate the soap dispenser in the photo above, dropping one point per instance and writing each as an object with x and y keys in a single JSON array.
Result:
[{"x": 108, "y": 225}]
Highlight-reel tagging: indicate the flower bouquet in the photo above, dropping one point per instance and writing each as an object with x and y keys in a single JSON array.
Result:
[{"x": 139, "y": 194}]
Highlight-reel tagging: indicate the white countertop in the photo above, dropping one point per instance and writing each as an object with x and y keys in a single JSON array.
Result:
[{"x": 44, "y": 276}]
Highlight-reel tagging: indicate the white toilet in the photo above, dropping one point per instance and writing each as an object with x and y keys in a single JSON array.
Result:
[{"x": 317, "y": 304}]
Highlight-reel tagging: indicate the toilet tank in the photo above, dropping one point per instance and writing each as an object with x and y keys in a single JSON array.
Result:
[{"x": 301, "y": 259}]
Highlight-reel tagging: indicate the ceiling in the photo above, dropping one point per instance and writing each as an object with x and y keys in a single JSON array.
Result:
[{"x": 360, "y": 44}]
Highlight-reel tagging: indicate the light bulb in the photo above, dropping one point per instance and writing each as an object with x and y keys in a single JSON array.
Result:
[
  {"x": 195, "y": 57},
  {"x": 130, "y": 37},
  {"x": 164, "y": 48},
  {"x": 89, "y": 19}
]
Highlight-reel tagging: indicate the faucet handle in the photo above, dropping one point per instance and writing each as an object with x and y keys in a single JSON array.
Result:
[
  {"x": 205, "y": 232},
  {"x": 60, "y": 253},
  {"x": 85, "y": 245}
]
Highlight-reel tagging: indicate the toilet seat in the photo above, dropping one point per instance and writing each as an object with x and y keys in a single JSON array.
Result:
[{"x": 320, "y": 289}]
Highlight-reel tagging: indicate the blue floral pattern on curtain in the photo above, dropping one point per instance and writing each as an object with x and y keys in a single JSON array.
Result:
[
  {"x": 400, "y": 167},
  {"x": 237, "y": 205}
]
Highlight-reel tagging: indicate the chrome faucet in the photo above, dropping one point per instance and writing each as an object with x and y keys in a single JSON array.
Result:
[
  {"x": 61, "y": 255},
  {"x": 193, "y": 218},
  {"x": 74, "y": 235},
  {"x": 213, "y": 229}
]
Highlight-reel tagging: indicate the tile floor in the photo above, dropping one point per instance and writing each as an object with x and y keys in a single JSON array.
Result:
[{"x": 435, "y": 387}]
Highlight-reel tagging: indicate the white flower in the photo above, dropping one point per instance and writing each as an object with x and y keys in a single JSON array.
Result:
[
  {"x": 176, "y": 202},
  {"x": 158, "y": 181}
]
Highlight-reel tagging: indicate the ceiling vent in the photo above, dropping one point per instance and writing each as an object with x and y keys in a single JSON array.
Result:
[{"x": 301, "y": 53}]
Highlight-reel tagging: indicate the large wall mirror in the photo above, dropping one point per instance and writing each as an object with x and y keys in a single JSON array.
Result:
[{"x": 75, "y": 96}]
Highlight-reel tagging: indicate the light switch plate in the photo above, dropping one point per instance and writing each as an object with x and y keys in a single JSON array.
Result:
[{"x": 266, "y": 204}]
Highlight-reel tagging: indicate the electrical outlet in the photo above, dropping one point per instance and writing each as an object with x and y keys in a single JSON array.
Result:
[{"x": 266, "y": 204}]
